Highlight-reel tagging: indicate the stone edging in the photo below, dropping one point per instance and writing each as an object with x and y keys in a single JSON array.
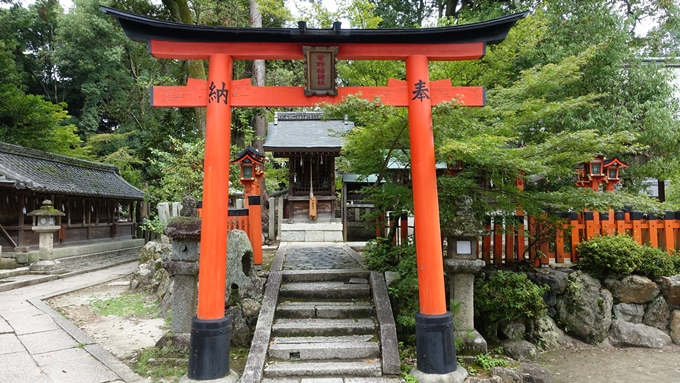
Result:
[{"x": 97, "y": 351}]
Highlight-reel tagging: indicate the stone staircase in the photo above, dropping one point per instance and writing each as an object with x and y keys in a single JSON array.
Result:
[{"x": 327, "y": 327}]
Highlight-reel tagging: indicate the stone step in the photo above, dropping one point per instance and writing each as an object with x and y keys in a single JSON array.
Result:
[
  {"x": 363, "y": 368},
  {"x": 307, "y": 348},
  {"x": 324, "y": 275},
  {"x": 324, "y": 290},
  {"x": 328, "y": 310},
  {"x": 327, "y": 327},
  {"x": 379, "y": 379},
  {"x": 323, "y": 339}
]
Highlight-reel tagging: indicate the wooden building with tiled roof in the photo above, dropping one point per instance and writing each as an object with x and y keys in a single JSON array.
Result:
[{"x": 98, "y": 203}]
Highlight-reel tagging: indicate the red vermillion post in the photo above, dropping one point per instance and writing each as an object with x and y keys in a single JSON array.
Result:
[
  {"x": 435, "y": 346},
  {"x": 209, "y": 341},
  {"x": 212, "y": 272}
]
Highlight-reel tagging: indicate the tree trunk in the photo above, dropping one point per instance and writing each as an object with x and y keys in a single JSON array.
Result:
[
  {"x": 259, "y": 123},
  {"x": 179, "y": 9}
]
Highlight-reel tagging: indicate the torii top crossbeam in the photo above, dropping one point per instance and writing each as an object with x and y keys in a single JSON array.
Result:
[{"x": 186, "y": 41}]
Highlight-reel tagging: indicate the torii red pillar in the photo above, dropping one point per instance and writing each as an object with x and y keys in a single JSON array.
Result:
[{"x": 434, "y": 325}]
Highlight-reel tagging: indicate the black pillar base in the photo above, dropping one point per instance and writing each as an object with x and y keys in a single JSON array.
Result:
[
  {"x": 435, "y": 346},
  {"x": 209, "y": 349}
]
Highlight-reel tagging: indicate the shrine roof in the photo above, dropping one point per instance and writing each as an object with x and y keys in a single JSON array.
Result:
[
  {"x": 305, "y": 132},
  {"x": 30, "y": 169},
  {"x": 144, "y": 29}
]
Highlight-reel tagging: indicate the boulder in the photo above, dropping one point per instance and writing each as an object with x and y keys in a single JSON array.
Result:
[
  {"x": 633, "y": 289},
  {"x": 534, "y": 373},
  {"x": 658, "y": 314},
  {"x": 624, "y": 334},
  {"x": 629, "y": 312},
  {"x": 545, "y": 333},
  {"x": 670, "y": 287},
  {"x": 514, "y": 330},
  {"x": 519, "y": 349},
  {"x": 507, "y": 375},
  {"x": 585, "y": 308},
  {"x": 239, "y": 332},
  {"x": 557, "y": 280},
  {"x": 675, "y": 326}
]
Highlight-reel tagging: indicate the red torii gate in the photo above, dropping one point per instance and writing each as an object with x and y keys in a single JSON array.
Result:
[{"x": 221, "y": 45}]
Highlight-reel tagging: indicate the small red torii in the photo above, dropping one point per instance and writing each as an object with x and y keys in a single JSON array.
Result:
[{"x": 221, "y": 45}]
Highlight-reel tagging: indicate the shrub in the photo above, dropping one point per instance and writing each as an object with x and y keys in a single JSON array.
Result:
[
  {"x": 654, "y": 263},
  {"x": 381, "y": 255},
  {"x": 506, "y": 296},
  {"x": 609, "y": 254}
]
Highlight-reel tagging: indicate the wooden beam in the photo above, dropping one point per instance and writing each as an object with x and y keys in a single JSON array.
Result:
[
  {"x": 244, "y": 94},
  {"x": 293, "y": 51}
]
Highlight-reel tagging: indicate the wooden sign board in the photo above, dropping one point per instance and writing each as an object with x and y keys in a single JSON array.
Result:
[{"x": 320, "y": 71}]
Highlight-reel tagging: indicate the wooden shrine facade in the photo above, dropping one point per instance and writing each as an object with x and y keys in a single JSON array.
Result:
[
  {"x": 311, "y": 147},
  {"x": 99, "y": 205}
]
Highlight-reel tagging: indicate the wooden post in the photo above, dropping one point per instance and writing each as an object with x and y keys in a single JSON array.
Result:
[
  {"x": 575, "y": 237},
  {"x": 652, "y": 222},
  {"x": 212, "y": 268},
  {"x": 486, "y": 241},
  {"x": 509, "y": 242},
  {"x": 435, "y": 348},
  {"x": 497, "y": 241},
  {"x": 669, "y": 240},
  {"x": 636, "y": 219}
]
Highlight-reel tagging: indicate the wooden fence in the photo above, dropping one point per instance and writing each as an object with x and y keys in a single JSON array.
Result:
[{"x": 512, "y": 240}]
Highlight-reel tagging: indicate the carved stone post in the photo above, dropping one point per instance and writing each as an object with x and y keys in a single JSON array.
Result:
[
  {"x": 182, "y": 264},
  {"x": 461, "y": 261}
]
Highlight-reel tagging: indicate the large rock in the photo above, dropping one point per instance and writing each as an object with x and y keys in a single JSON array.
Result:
[
  {"x": 545, "y": 333},
  {"x": 519, "y": 349},
  {"x": 623, "y": 334},
  {"x": 633, "y": 289},
  {"x": 557, "y": 280},
  {"x": 585, "y": 308},
  {"x": 629, "y": 312},
  {"x": 670, "y": 287},
  {"x": 658, "y": 314},
  {"x": 675, "y": 326},
  {"x": 239, "y": 332},
  {"x": 242, "y": 280},
  {"x": 514, "y": 330},
  {"x": 507, "y": 375},
  {"x": 533, "y": 373}
]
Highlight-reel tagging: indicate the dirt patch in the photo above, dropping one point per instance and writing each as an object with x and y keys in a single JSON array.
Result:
[
  {"x": 123, "y": 336},
  {"x": 586, "y": 363}
]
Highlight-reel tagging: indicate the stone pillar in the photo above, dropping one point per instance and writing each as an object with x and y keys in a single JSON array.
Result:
[
  {"x": 272, "y": 219},
  {"x": 44, "y": 222},
  {"x": 182, "y": 265},
  {"x": 462, "y": 264}
]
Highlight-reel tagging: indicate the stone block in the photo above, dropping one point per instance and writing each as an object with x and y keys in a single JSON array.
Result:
[
  {"x": 637, "y": 335},
  {"x": 633, "y": 289},
  {"x": 519, "y": 349},
  {"x": 292, "y": 236},
  {"x": 629, "y": 312},
  {"x": 163, "y": 210},
  {"x": 332, "y": 236},
  {"x": 675, "y": 326},
  {"x": 658, "y": 314},
  {"x": 670, "y": 287},
  {"x": 314, "y": 236}
]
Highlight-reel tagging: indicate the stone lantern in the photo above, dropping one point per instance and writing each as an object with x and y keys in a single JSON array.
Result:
[
  {"x": 45, "y": 223},
  {"x": 461, "y": 263}
]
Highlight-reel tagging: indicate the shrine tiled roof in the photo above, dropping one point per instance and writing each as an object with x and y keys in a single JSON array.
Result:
[
  {"x": 30, "y": 169},
  {"x": 305, "y": 132}
]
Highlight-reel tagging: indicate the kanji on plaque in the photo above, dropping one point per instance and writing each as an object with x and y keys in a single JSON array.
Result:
[{"x": 320, "y": 71}]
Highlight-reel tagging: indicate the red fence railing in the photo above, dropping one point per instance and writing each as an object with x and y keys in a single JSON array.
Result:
[{"x": 512, "y": 240}]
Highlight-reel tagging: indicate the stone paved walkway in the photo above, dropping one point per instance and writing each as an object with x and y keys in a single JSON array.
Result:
[{"x": 320, "y": 256}]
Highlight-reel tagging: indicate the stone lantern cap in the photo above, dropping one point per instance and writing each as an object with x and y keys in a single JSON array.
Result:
[
  {"x": 464, "y": 224},
  {"x": 188, "y": 224},
  {"x": 46, "y": 210}
]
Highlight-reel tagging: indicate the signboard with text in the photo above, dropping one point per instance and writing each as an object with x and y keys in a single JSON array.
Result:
[{"x": 320, "y": 71}]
